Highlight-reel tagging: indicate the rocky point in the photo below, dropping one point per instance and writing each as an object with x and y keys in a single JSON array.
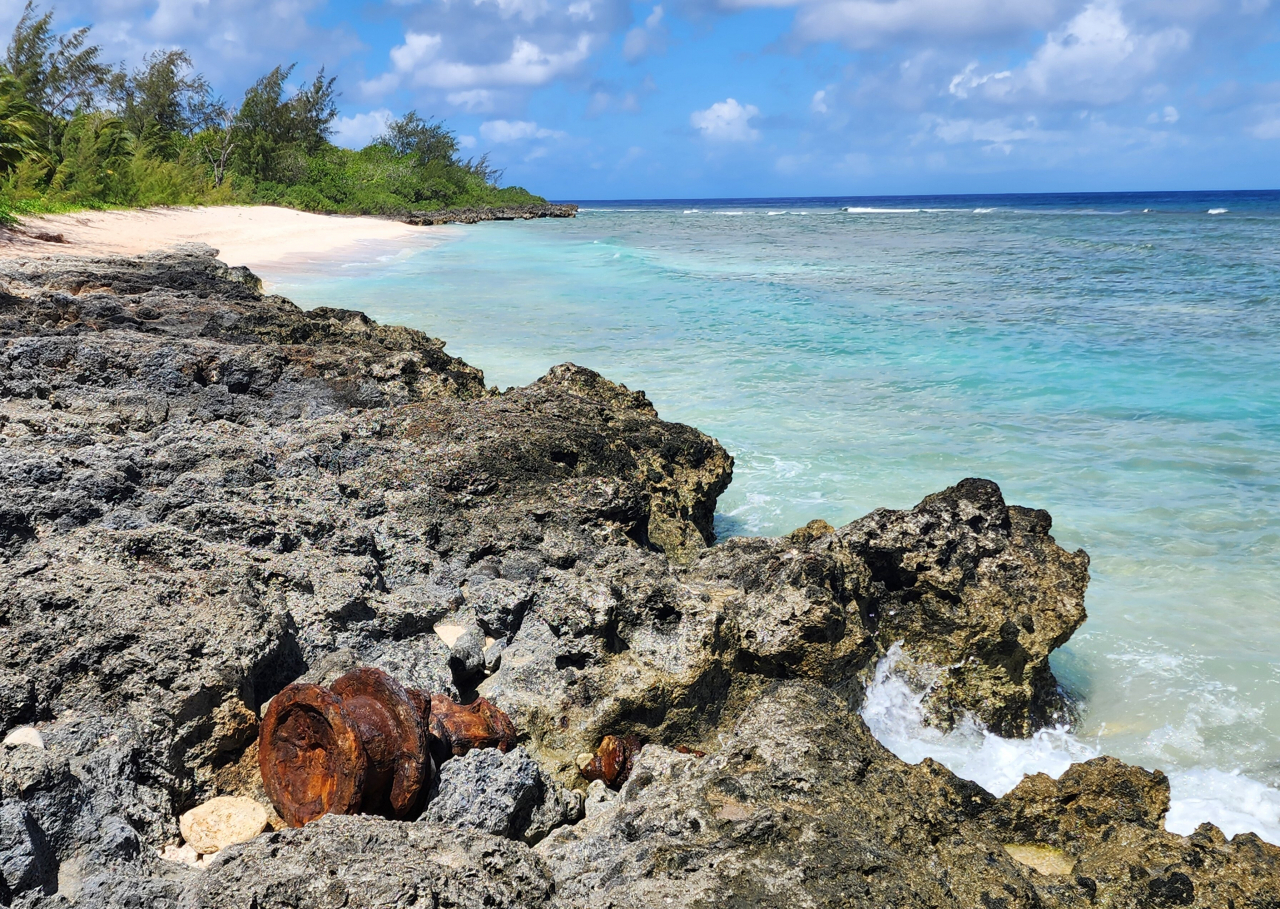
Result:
[{"x": 207, "y": 493}]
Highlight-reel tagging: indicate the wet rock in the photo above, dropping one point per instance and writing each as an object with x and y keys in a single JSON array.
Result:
[
  {"x": 505, "y": 795},
  {"x": 361, "y": 861},
  {"x": 1105, "y": 819},
  {"x": 222, "y": 822}
]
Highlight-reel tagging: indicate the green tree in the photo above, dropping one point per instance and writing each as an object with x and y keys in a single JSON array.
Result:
[
  {"x": 59, "y": 74},
  {"x": 163, "y": 101},
  {"x": 97, "y": 156},
  {"x": 19, "y": 125},
  {"x": 425, "y": 140},
  {"x": 274, "y": 134}
]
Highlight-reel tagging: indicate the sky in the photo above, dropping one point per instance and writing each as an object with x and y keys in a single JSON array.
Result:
[{"x": 632, "y": 99}]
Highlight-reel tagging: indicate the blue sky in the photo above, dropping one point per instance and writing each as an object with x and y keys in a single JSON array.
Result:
[{"x": 591, "y": 99}]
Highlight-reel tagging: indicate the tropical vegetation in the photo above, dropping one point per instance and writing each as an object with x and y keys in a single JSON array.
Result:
[{"x": 77, "y": 132}]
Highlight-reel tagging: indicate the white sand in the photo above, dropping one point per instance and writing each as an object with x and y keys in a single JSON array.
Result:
[{"x": 243, "y": 235}]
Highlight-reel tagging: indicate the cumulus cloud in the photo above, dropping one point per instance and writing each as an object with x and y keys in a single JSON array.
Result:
[
  {"x": 358, "y": 130},
  {"x": 231, "y": 41},
  {"x": 727, "y": 121},
  {"x": 870, "y": 23},
  {"x": 502, "y": 131},
  {"x": 819, "y": 103},
  {"x": 1096, "y": 58},
  {"x": 420, "y": 62}
]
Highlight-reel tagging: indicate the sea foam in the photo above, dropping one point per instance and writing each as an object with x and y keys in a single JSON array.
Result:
[{"x": 894, "y": 712}]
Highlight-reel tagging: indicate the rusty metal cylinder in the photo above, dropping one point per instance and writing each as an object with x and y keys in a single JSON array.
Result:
[{"x": 364, "y": 745}]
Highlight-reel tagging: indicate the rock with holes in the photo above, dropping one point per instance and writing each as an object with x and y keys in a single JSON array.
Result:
[
  {"x": 207, "y": 493},
  {"x": 502, "y": 794},
  {"x": 362, "y": 861}
]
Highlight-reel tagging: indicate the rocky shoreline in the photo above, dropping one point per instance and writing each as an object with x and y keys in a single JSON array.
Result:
[
  {"x": 207, "y": 493},
  {"x": 502, "y": 213}
]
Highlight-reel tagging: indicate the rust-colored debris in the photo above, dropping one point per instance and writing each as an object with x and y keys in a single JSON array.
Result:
[
  {"x": 461, "y": 727},
  {"x": 364, "y": 745},
  {"x": 613, "y": 760}
]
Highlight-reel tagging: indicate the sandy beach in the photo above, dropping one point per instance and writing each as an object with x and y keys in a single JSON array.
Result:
[{"x": 244, "y": 235}]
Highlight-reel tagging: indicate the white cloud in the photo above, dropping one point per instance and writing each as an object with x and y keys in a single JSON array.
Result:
[
  {"x": 502, "y": 131},
  {"x": 419, "y": 62},
  {"x": 475, "y": 100},
  {"x": 358, "y": 130},
  {"x": 651, "y": 38},
  {"x": 466, "y": 142},
  {"x": 870, "y": 23},
  {"x": 1168, "y": 115},
  {"x": 727, "y": 121},
  {"x": 1095, "y": 58},
  {"x": 819, "y": 103}
]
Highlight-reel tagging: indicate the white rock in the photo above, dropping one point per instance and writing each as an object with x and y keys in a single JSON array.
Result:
[
  {"x": 183, "y": 854},
  {"x": 449, "y": 633},
  {"x": 24, "y": 735},
  {"x": 222, "y": 821}
]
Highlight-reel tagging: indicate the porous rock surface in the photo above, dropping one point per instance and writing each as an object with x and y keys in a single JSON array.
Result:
[
  {"x": 207, "y": 493},
  {"x": 502, "y": 794}
]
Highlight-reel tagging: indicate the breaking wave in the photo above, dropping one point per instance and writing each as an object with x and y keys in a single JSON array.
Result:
[{"x": 894, "y": 712}]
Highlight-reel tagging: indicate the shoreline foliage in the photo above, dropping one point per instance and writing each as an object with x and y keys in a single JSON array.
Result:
[{"x": 78, "y": 133}]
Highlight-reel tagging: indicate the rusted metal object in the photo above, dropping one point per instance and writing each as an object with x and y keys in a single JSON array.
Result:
[
  {"x": 616, "y": 757},
  {"x": 364, "y": 745},
  {"x": 461, "y": 727},
  {"x": 613, "y": 760}
]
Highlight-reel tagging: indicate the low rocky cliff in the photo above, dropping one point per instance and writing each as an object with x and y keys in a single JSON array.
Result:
[{"x": 207, "y": 493}]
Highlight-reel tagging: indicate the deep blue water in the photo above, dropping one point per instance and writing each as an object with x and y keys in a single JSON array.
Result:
[{"x": 1109, "y": 357}]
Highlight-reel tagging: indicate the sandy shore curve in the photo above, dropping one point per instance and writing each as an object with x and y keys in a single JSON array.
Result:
[{"x": 251, "y": 235}]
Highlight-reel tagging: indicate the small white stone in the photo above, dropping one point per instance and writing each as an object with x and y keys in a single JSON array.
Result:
[
  {"x": 584, "y": 760},
  {"x": 24, "y": 735},
  {"x": 184, "y": 854},
  {"x": 222, "y": 821}
]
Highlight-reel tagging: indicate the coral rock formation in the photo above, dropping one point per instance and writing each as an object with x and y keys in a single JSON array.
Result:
[{"x": 207, "y": 494}]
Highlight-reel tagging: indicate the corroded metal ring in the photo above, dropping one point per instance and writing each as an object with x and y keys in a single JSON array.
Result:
[
  {"x": 394, "y": 733},
  {"x": 312, "y": 760}
]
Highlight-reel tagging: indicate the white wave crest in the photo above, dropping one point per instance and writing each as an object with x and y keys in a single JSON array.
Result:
[
  {"x": 893, "y": 711},
  {"x": 1218, "y": 211}
]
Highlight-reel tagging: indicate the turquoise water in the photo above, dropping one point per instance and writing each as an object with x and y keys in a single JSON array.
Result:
[{"x": 1115, "y": 366}]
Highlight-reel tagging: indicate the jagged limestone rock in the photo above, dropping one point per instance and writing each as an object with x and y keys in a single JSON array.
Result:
[
  {"x": 501, "y": 794},
  {"x": 362, "y": 861},
  {"x": 207, "y": 493}
]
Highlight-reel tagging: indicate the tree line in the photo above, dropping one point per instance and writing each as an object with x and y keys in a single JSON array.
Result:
[{"x": 78, "y": 132}]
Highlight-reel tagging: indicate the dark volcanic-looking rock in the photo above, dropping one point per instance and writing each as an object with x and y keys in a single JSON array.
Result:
[
  {"x": 373, "y": 863},
  {"x": 501, "y": 213},
  {"x": 207, "y": 493}
]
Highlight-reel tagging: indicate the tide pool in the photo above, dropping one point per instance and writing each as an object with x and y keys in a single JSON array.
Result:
[{"x": 1110, "y": 358}]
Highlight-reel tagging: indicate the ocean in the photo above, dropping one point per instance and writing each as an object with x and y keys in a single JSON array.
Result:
[{"x": 1113, "y": 358}]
